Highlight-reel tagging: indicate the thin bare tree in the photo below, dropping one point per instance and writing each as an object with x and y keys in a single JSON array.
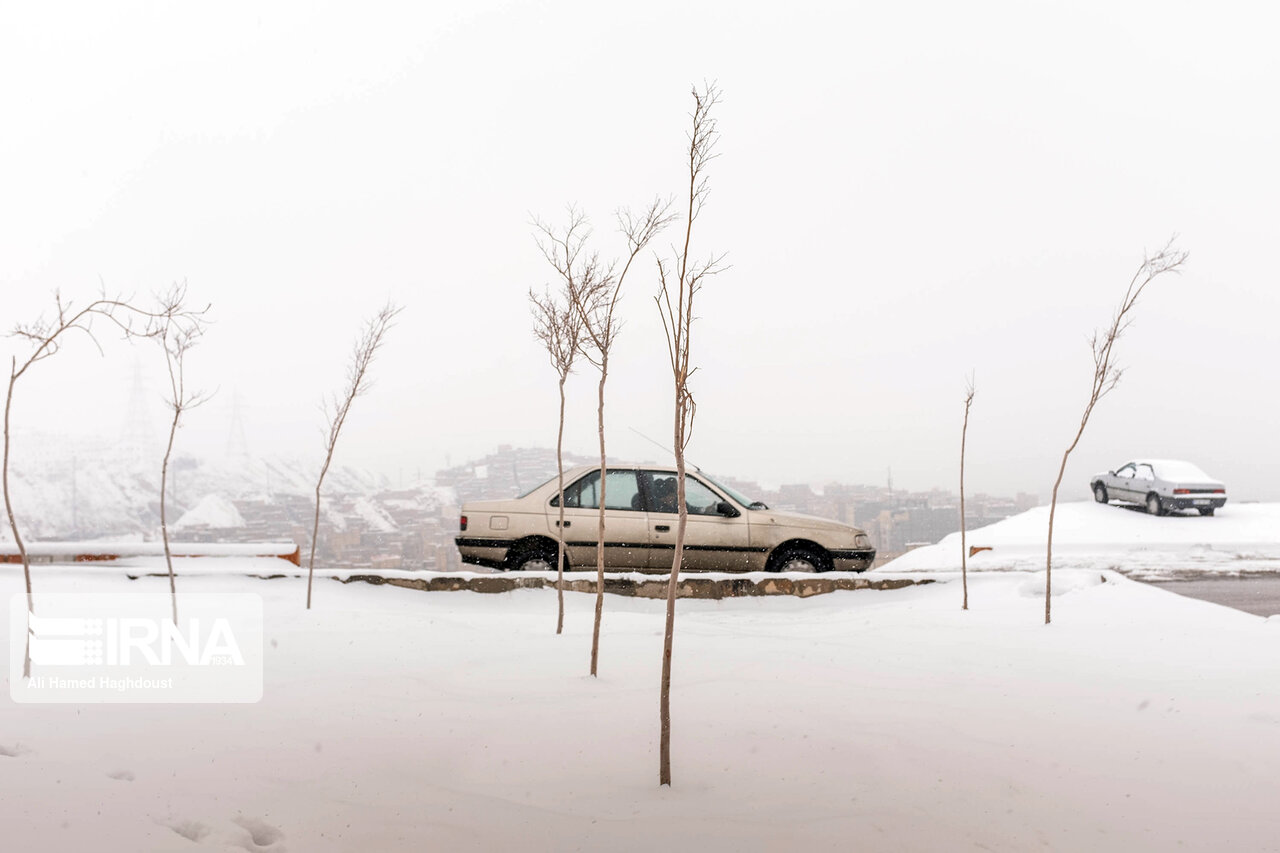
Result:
[
  {"x": 964, "y": 547},
  {"x": 594, "y": 288},
  {"x": 1107, "y": 374},
  {"x": 559, "y": 327},
  {"x": 680, "y": 279},
  {"x": 46, "y": 336},
  {"x": 177, "y": 338},
  {"x": 337, "y": 407}
]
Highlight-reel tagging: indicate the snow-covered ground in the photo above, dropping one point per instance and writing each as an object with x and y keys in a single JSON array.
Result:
[
  {"x": 399, "y": 720},
  {"x": 1239, "y": 539}
]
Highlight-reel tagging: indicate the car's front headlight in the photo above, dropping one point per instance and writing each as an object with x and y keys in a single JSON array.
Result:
[{"x": 862, "y": 540}]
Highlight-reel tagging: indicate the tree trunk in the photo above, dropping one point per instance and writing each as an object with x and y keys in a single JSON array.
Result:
[
  {"x": 164, "y": 527},
  {"x": 595, "y": 631},
  {"x": 1048, "y": 557},
  {"x": 315, "y": 527},
  {"x": 964, "y": 552},
  {"x": 669, "y": 633},
  {"x": 13, "y": 522},
  {"x": 560, "y": 525}
]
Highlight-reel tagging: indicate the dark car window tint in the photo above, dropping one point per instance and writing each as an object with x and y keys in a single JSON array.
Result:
[
  {"x": 698, "y": 498},
  {"x": 621, "y": 491}
]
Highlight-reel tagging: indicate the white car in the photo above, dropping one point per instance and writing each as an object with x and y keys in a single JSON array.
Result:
[
  {"x": 726, "y": 531},
  {"x": 1160, "y": 485}
]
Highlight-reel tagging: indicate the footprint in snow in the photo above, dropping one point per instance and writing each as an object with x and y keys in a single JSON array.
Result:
[
  {"x": 122, "y": 775},
  {"x": 192, "y": 830},
  {"x": 263, "y": 837},
  {"x": 13, "y": 751}
]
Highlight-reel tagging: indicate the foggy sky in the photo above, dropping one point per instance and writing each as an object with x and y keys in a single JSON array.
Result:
[{"x": 906, "y": 193}]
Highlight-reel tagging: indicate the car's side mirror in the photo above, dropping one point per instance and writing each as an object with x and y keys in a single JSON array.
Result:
[
  {"x": 1111, "y": 473},
  {"x": 726, "y": 509}
]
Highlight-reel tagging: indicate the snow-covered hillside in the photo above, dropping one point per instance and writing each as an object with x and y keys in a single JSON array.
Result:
[
  {"x": 1240, "y": 538},
  {"x": 395, "y": 720},
  {"x": 62, "y": 490}
]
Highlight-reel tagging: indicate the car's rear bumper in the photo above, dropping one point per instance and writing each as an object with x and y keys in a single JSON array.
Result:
[
  {"x": 853, "y": 559},
  {"x": 483, "y": 552},
  {"x": 1193, "y": 501}
]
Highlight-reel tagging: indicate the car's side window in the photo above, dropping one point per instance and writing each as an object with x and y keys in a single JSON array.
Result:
[
  {"x": 1126, "y": 472},
  {"x": 1145, "y": 473},
  {"x": 622, "y": 491},
  {"x": 663, "y": 492}
]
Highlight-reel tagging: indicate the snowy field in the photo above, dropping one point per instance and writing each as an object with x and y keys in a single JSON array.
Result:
[
  {"x": 399, "y": 720},
  {"x": 1239, "y": 539}
]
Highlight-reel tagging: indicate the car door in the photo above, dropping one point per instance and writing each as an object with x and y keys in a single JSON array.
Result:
[
  {"x": 626, "y": 525},
  {"x": 712, "y": 542},
  {"x": 1120, "y": 486},
  {"x": 1144, "y": 481}
]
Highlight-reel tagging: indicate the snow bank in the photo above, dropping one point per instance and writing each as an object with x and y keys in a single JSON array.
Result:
[{"x": 1240, "y": 538}]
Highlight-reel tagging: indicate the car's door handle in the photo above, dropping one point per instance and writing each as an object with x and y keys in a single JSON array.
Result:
[
  {"x": 566, "y": 524},
  {"x": 662, "y": 528}
]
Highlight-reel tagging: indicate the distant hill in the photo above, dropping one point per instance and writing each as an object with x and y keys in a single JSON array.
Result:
[{"x": 67, "y": 488}]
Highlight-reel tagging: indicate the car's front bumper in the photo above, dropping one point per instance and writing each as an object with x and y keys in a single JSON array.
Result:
[{"x": 853, "y": 559}]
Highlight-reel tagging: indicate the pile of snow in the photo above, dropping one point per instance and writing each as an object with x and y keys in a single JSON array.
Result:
[
  {"x": 1240, "y": 538},
  {"x": 395, "y": 720},
  {"x": 212, "y": 511}
]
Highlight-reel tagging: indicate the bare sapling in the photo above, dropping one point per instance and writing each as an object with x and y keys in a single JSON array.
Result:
[
  {"x": 680, "y": 278},
  {"x": 177, "y": 337},
  {"x": 338, "y": 407},
  {"x": 594, "y": 288},
  {"x": 964, "y": 546},
  {"x": 45, "y": 336},
  {"x": 1107, "y": 374},
  {"x": 559, "y": 327}
]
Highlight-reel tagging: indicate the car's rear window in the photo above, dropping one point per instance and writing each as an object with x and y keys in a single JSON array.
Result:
[{"x": 535, "y": 488}]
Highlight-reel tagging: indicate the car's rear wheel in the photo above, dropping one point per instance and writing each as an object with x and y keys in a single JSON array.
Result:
[
  {"x": 798, "y": 559},
  {"x": 537, "y": 558},
  {"x": 1154, "y": 507},
  {"x": 1099, "y": 493},
  {"x": 1206, "y": 510}
]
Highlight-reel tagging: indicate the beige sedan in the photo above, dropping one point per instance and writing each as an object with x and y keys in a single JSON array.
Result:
[{"x": 727, "y": 532}]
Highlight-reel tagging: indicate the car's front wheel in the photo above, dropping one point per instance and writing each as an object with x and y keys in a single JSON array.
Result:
[
  {"x": 798, "y": 559},
  {"x": 1154, "y": 507},
  {"x": 1099, "y": 493}
]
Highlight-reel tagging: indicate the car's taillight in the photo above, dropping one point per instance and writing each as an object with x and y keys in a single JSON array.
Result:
[
  {"x": 1219, "y": 491},
  {"x": 1182, "y": 491},
  {"x": 462, "y": 523}
]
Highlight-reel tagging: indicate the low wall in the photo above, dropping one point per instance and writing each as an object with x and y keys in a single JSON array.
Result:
[{"x": 688, "y": 587}]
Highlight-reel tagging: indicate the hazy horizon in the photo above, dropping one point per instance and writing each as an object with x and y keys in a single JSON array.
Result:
[{"x": 906, "y": 195}]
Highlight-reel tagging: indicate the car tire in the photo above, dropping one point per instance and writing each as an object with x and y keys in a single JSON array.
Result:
[
  {"x": 798, "y": 559},
  {"x": 1206, "y": 510},
  {"x": 1099, "y": 493},
  {"x": 1154, "y": 507},
  {"x": 538, "y": 558}
]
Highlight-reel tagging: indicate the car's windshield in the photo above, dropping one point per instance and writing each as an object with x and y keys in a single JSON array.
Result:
[
  {"x": 734, "y": 493},
  {"x": 1174, "y": 470}
]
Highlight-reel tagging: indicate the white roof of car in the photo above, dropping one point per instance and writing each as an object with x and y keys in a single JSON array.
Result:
[{"x": 1174, "y": 469}]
